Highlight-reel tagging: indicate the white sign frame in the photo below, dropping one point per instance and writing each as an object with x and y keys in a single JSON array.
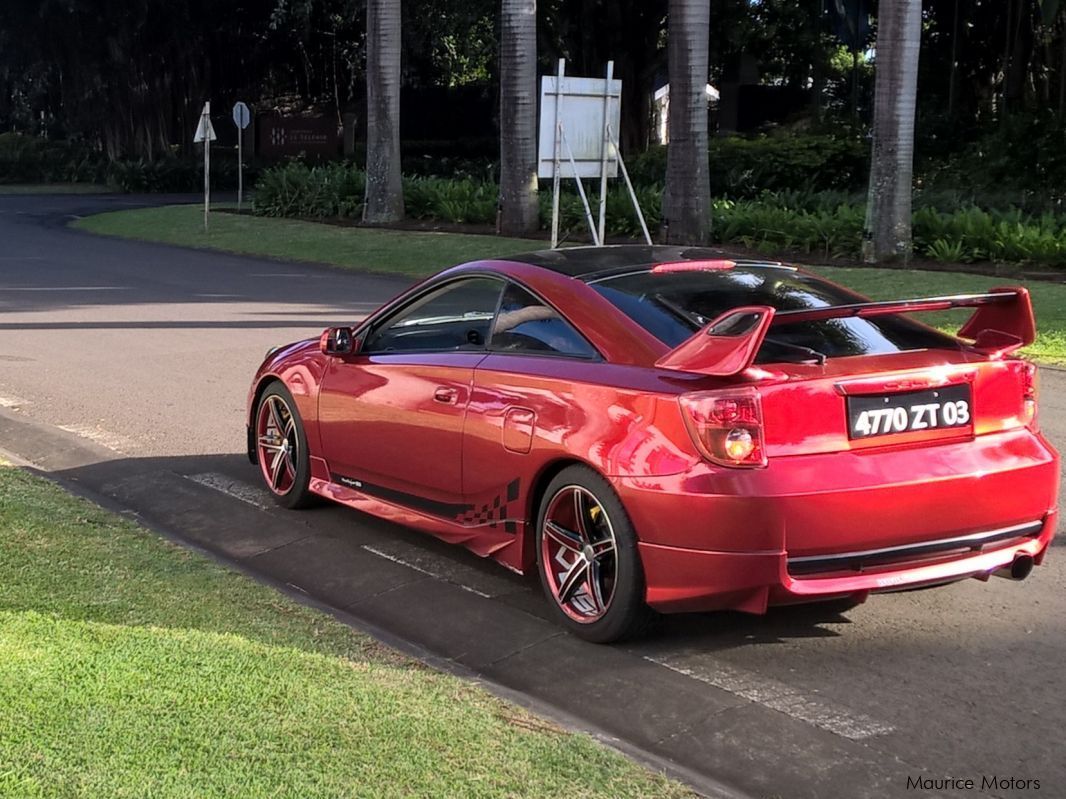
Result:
[
  {"x": 578, "y": 120},
  {"x": 580, "y": 108}
]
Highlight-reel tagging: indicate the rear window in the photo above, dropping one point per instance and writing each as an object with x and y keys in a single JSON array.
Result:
[{"x": 674, "y": 305}]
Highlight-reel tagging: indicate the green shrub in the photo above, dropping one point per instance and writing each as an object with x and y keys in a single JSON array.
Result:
[
  {"x": 826, "y": 224},
  {"x": 169, "y": 174},
  {"x": 319, "y": 192},
  {"x": 31, "y": 159},
  {"x": 459, "y": 201},
  {"x": 743, "y": 167},
  {"x": 1019, "y": 161}
]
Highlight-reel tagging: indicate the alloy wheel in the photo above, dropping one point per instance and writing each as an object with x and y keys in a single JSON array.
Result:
[
  {"x": 579, "y": 553},
  {"x": 278, "y": 443}
]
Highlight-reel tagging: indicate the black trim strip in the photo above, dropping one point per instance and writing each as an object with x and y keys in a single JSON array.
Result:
[
  {"x": 856, "y": 561},
  {"x": 445, "y": 510}
]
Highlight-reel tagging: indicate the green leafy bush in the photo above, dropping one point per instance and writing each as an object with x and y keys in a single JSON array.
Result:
[
  {"x": 1019, "y": 162},
  {"x": 459, "y": 201},
  {"x": 295, "y": 189},
  {"x": 30, "y": 159},
  {"x": 827, "y": 224},
  {"x": 742, "y": 167}
]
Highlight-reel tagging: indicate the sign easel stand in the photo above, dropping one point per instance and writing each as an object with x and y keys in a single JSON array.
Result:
[{"x": 588, "y": 89}]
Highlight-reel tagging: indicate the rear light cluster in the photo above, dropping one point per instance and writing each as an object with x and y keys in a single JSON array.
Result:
[
  {"x": 1030, "y": 390},
  {"x": 726, "y": 426}
]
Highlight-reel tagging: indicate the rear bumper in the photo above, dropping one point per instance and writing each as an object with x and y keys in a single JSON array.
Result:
[
  {"x": 693, "y": 580},
  {"x": 818, "y": 526}
]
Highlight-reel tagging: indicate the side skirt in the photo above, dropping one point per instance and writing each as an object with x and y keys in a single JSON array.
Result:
[{"x": 483, "y": 539}]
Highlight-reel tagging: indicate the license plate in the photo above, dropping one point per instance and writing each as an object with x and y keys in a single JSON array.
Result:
[{"x": 908, "y": 412}]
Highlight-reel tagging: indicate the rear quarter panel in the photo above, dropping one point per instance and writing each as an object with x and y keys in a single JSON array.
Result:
[{"x": 531, "y": 415}]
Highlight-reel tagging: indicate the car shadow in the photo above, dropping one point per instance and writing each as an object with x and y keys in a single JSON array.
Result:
[{"x": 338, "y": 556}]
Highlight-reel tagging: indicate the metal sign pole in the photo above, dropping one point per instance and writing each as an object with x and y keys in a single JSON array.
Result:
[
  {"x": 606, "y": 143},
  {"x": 596, "y": 240},
  {"x": 558, "y": 145},
  {"x": 207, "y": 163},
  {"x": 240, "y": 169},
  {"x": 242, "y": 116},
  {"x": 629, "y": 185}
]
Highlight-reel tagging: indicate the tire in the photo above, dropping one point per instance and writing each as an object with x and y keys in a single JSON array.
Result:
[
  {"x": 588, "y": 561},
  {"x": 281, "y": 448}
]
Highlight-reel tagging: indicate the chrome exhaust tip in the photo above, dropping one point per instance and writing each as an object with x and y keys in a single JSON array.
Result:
[{"x": 1018, "y": 570}]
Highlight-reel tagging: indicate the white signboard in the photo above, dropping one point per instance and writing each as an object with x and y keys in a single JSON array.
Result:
[{"x": 579, "y": 109}]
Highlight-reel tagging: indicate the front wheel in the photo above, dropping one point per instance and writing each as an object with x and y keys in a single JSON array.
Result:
[
  {"x": 587, "y": 558},
  {"x": 281, "y": 448}
]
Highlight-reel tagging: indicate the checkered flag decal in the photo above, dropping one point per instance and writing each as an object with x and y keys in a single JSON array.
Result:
[{"x": 495, "y": 512}]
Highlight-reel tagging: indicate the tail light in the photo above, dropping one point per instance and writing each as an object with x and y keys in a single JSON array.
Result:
[
  {"x": 1030, "y": 390},
  {"x": 726, "y": 426}
]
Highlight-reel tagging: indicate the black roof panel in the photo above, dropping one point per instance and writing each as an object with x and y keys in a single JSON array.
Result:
[{"x": 586, "y": 262}]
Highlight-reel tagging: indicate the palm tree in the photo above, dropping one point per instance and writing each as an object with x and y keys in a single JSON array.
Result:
[
  {"x": 687, "y": 199},
  {"x": 887, "y": 234},
  {"x": 518, "y": 116},
  {"x": 384, "y": 187}
]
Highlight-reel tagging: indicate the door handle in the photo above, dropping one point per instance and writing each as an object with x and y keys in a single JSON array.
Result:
[{"x": 449, "y": 396}]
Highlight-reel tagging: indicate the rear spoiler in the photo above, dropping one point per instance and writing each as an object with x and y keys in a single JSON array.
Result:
[{"x": 1002, "y": 323}]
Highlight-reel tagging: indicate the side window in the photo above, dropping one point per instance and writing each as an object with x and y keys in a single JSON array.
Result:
[
  {"x": 456, "y": 316},
  {"x": 526, "y": 325}
]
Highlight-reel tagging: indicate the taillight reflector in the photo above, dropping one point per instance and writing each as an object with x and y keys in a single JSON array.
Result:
[{"x": 726, "y": 426}]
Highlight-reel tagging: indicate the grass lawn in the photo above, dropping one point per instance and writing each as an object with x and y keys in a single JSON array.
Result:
[
  {"x": 51, "y": 188},
  {"x": 407, "y": 253},
  {"x": 130, "y": 667},
  {"x": 418, "y": 254}
]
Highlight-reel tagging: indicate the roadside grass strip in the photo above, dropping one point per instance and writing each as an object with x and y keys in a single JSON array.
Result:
[
  {"x": 130, "y": 667},
  {"x": 400, "y": 252},
  {"x": 418, "y": 254}
]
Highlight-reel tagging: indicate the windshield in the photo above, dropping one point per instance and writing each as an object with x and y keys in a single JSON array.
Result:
[{"x": 674, "y": 305}]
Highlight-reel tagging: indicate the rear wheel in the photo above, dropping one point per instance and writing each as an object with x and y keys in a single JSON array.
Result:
[
  {"x": 588, "y": 560},
  {"x": 281, "y": 448}
]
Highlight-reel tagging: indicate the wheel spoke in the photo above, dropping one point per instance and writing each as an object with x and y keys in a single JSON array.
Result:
[
  {"x": 579, "y": 516},
  {"x": 275, "y": 416},
  {"x": 596, "y": 586},
  {"x": 602, "y": 548},
  {"x": 567, "y": 539},
  {"x": 578, "y": 572},
  {"x": 275, "y": 469}
]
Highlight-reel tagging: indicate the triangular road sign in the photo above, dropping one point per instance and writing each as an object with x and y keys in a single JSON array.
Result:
[{"x": 205, "y": 131}]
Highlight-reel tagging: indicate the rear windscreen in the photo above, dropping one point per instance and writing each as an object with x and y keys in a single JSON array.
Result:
[{"x": 674, "y": 305}]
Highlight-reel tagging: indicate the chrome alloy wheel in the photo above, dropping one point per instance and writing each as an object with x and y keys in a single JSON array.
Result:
[
  {"x": 278, "y": 443},
  {"x": 579, "y": 553}
]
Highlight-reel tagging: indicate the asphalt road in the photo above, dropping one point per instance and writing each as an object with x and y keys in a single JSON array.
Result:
[{"x": 123, "y": 370}]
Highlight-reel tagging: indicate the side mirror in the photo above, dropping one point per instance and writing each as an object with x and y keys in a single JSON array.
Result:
[{"x": 339, "y": 341}]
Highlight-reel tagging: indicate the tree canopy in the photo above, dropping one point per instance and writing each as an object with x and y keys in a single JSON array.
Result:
[{"x": 130, "y": 77}]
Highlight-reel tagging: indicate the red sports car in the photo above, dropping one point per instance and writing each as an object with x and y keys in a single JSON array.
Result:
[{"x": 657, "y": 429}]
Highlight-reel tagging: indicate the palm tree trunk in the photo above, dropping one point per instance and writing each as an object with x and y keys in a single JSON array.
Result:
[
  {"x": 888, "y": 208},
  {"x": 384, "y": 187},
  {"x": 519, "y": 210},
  {"x": 687, "y": 199}
]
